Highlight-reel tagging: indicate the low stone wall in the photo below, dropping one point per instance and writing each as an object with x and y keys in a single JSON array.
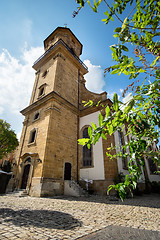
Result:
[
  {"x": 42, "y": 187},
  {"x": 99, "y": 187}
]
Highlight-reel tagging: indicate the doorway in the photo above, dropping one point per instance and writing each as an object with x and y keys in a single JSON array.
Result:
[
  {"x": 67, "y": 171},
  {"x": 25, "y": 176}
]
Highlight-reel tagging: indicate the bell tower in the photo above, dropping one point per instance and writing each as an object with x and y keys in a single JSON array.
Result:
[{"x": 50, "y": 132}]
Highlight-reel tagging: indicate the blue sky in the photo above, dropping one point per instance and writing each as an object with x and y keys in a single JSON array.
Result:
[{"x": 24, "y": 25}]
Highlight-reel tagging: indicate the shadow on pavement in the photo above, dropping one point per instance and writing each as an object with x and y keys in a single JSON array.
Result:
[
  {"x": 39, "y": 218},
  {"x": 145, "y": 200}
]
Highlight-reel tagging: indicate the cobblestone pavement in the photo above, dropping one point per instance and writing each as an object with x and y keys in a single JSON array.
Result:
[{"x": 90, "y": 218}]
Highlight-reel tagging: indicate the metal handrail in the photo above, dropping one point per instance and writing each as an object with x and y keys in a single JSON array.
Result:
[{"x": 60, "y": 41}]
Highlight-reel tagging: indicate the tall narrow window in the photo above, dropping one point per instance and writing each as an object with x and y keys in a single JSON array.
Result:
[
  {"x": 41, "y": 91},
  {"x": 44, "y": 74},
  {"x": 32, "y": 136},
  {"x": 87, "y": 153},
  {"x": 122, "y": 143}
]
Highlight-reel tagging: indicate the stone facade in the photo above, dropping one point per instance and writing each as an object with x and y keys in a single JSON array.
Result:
[{"x": 48, "y": 153}]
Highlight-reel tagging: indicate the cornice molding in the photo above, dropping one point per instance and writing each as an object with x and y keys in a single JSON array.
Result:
[{"x": 51, "y": 96}]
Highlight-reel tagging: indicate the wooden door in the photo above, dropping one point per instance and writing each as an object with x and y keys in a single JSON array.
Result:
[
  {"x": 67, "y": 171},
  {"x": 25, "y": 176}
]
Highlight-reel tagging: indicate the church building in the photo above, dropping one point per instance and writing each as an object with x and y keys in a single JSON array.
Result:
[{"x": 49, "y": 154}]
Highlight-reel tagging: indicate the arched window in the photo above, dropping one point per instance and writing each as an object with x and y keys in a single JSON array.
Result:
[
  {"x": 87, "y": 153},
  {"x": 42, "y": 89}
]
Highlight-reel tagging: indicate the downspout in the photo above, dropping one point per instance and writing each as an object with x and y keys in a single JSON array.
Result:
[{"x": 78, "y": 127}]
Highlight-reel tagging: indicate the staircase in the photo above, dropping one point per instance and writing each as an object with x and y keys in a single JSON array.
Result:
[
  {"x": 71, "y": 188},
  {"x": 19, "y": 193}
]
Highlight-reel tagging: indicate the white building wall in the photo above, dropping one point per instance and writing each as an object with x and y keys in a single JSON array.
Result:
[{"x": 97, "y": 171}]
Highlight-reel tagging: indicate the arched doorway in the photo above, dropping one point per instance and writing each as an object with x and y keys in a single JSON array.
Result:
[
  {"x": 67, "y": 171},
  {"x": 25, "y": 176}
]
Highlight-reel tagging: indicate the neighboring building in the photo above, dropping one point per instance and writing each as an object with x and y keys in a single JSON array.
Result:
[{"x": 55, "y": 119}]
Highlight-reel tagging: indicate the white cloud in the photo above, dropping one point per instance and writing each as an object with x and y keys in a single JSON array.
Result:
[
  {"x": 18, "y": 136},
  {"x": 16, "y": 79},
  {"x": 95, "y": 78},
  {"x": 121, "y": 90},
  {"x": 16, "y": 83}
]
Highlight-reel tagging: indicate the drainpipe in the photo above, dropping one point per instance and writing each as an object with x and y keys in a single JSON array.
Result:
[{"x": 78, "y": 127}]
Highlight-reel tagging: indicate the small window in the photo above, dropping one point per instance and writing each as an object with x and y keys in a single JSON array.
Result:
[
  {"x": 41, "y": 91},
  {"x": 32, "y": 136},
  {"x": 87, "y": 153},
  {"x": 44, "y": 74},
  {"x": 36, "y": 116}
]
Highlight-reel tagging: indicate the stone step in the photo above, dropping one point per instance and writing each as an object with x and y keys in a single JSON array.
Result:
[
  {"x": 19, "y": 193},
  {"x": 71, "y": 188}
]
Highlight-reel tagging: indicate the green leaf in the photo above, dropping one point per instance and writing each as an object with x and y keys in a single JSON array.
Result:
[
  {"x": 103, "y": 136},
  {"x": 115, "y": 71},
  {"x": 125, "y": 48},
  {"x": 115, "y": 102},
  {"x": 94, "y": 126},
  {"x": 83, "y": 141},
  {"x": 116, "y": 35},
  {"x": 90, "y": 132},
  {"x": 100, "y": 119},
  {"x": 107, "y": 110},
  {"x": 154, "y": 62},
  {"x": 106, "y": 13},
  {"x": 118, "y": 29},
  {"x": 124, "y": 24},
  {"x": 130, "y": 106}
]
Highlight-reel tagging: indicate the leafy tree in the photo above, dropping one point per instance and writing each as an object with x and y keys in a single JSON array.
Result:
[
  {"x": 8, "y": 139},
  {"x": 140, "y": 114}
]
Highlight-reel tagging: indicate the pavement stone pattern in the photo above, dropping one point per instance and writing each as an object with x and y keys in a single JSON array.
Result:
[{"x": 83, "y": 218}]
